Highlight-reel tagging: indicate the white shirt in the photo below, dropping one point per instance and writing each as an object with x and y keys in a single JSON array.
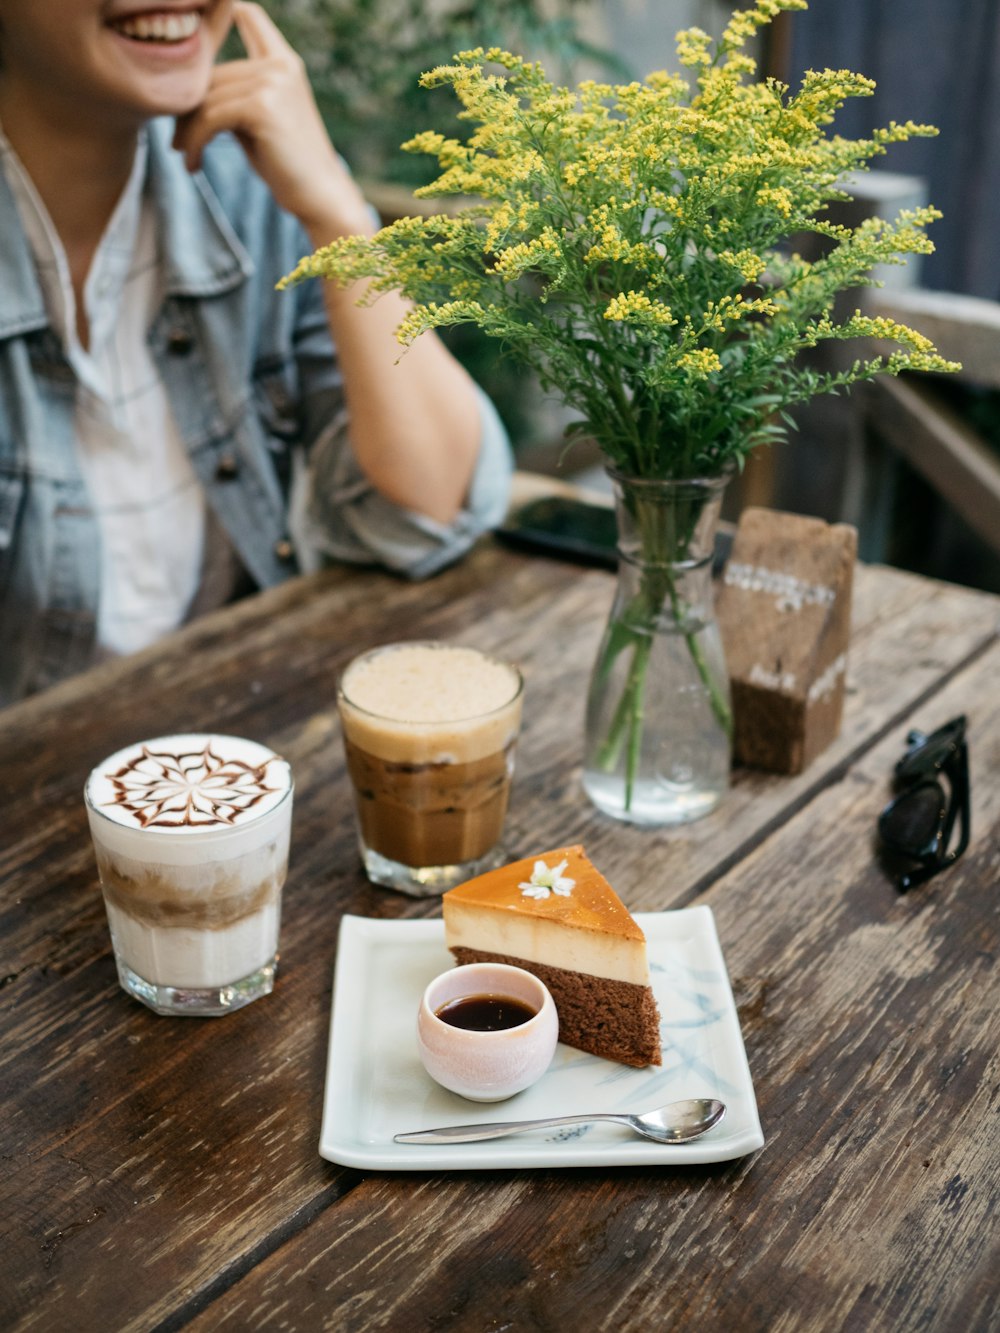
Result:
[{"x": 147, "y": 499}]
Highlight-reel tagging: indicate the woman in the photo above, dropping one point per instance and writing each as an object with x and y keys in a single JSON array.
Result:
[{"x": 171, "y": 426}]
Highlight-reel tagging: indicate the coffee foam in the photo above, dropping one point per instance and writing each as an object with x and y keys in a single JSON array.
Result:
[
  {"x": 182, "y": 799},
  {"x": 430, "y": 703}
]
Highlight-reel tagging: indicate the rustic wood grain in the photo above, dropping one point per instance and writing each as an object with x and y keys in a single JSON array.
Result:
[
  {"x": 149, "y": 1167},
  {"x": 871, "y": 1025}
]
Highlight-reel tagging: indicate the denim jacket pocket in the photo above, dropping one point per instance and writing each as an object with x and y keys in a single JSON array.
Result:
[
  {"x": 275, "y": 398},
  {"x": 274, "y": 403}
]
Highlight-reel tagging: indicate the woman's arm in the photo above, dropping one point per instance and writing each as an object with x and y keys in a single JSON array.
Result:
[{"x": 415, "y": 420}]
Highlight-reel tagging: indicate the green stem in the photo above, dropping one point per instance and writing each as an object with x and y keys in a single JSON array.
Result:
[
  {"x": 629, "y": 701},
  {"x": 720, "y": 706},
  {"x": 629, "y": 706}
]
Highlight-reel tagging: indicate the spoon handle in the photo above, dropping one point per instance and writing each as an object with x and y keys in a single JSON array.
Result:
[{"x": 499, "y": 1129}]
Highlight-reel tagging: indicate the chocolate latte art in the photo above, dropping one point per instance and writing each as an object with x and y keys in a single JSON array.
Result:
[
  {"x": 191, "y": 836},
  {"x": 188, "y": 790}
]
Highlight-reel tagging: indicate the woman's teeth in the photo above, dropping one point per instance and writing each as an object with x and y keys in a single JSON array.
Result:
[{"x": 160, "y": 27}]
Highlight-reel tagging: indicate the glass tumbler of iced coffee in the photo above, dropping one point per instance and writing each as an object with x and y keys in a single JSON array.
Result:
[
  {"x": 429, "y": 733},
  {"x": 191, "y": 836}
]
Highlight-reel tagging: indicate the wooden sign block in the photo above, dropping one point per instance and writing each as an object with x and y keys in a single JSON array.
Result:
[{"x": 784, "y": 609}]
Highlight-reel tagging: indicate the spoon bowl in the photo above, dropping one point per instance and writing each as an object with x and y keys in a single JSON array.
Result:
[{"x": 677, "y": 1122}]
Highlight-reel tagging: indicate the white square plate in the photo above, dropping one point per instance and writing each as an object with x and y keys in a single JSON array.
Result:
[{"x": 376, "y": 1086}]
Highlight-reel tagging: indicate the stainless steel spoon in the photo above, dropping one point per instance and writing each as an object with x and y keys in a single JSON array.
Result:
[{"x": 677, "y": 1122}]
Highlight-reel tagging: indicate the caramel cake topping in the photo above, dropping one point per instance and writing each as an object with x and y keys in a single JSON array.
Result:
[{"x": 591, "y": 904}]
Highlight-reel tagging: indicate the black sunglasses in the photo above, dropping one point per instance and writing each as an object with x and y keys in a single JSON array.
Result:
[{"x": 919, "y": 823}]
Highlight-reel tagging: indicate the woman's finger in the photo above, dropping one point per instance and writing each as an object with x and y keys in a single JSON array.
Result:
[
  {"x": 230, "y": 111},
  {"x": 258, "y": 32},
  {"x": 245, "y": 74}
]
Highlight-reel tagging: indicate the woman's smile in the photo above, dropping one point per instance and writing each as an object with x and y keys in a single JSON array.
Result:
[
  {"x": 128, "y": 60},
  {"x": 163, "y": 27}
]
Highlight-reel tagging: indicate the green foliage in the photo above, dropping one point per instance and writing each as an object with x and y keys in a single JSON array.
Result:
[
  {"x": 365, "y": 58},
  {"x": 632, "y": 243}
]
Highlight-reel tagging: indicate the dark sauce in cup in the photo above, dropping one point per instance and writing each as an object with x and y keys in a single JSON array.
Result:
[{"x": 485, "y": 1013}]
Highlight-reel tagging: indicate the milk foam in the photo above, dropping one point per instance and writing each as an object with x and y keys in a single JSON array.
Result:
[
  {"x": 186, "y": 799},
  {"x": 430, "y": 703}
]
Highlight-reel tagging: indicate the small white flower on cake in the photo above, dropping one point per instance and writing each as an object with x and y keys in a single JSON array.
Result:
[{"x": 544, "y": 881}]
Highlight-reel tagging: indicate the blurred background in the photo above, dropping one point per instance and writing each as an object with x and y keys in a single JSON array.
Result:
[{"x": 914, "y": 463}]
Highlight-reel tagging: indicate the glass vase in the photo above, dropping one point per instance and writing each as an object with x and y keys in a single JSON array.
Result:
[{"x": 659, "y": 720}]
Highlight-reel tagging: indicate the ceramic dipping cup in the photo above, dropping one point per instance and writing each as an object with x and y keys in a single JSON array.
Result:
[{"x": 487, "y": 1066}]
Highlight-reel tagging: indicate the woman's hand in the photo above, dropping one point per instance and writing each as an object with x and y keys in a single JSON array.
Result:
[
  {"x": 267, "y": 103},
  {"x": 414, "y": 425}
]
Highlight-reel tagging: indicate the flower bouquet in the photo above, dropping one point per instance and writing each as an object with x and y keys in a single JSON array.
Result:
[{"x": 634, "y": 245}]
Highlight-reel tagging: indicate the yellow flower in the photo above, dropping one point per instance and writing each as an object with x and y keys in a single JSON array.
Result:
[
  {"x": 638, "y": 308},
  {"x": 778, "y": 197},
  {"x": 632, "y": 242},
  {"x": 746, "y": 263},
  {"x": 515, "y": 260},
  {"x": 694, "y": 47},
  {"x": 702, "y": 361}
]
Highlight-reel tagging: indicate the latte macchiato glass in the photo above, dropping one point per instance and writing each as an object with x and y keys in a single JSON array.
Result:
[
  {"x": 191, "y": 836},
  {"x": 429, "y": 733}
]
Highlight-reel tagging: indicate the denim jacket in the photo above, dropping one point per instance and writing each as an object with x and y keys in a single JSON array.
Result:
[{"x": 253, "y": 381}]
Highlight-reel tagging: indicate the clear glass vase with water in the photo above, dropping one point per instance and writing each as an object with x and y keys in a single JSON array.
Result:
[{"x": 659, "y": 720}]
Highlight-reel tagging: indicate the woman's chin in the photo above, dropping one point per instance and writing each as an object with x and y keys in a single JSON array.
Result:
[
  {"x": 161, "y": 79},
  {"x": 166, "y": 97}
]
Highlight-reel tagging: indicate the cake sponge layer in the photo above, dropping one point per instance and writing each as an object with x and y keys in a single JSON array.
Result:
[{"x": 613, "y": 1019}]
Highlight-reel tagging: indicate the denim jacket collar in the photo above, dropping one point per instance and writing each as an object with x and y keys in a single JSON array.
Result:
[
  {"x": 202, "y": 254},
  {"x": 22, "y": 309}
]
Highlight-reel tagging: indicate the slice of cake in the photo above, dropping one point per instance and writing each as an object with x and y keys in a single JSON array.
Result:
[{"x": 557, "y": 916}]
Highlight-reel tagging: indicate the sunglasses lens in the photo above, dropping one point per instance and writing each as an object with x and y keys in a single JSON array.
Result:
[
  {"x": 920, "y": 823},
  {"x": 931, "y": 752},
  {"x": 911, "y": 824}
]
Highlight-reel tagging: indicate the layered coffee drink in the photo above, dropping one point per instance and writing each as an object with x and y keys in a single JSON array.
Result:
[
  {"x": 191, "y": 836},
  {"x": 429, "y": 734}
]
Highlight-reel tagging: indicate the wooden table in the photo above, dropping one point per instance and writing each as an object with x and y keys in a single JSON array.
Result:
[{"x": 161, "y": 1173}]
